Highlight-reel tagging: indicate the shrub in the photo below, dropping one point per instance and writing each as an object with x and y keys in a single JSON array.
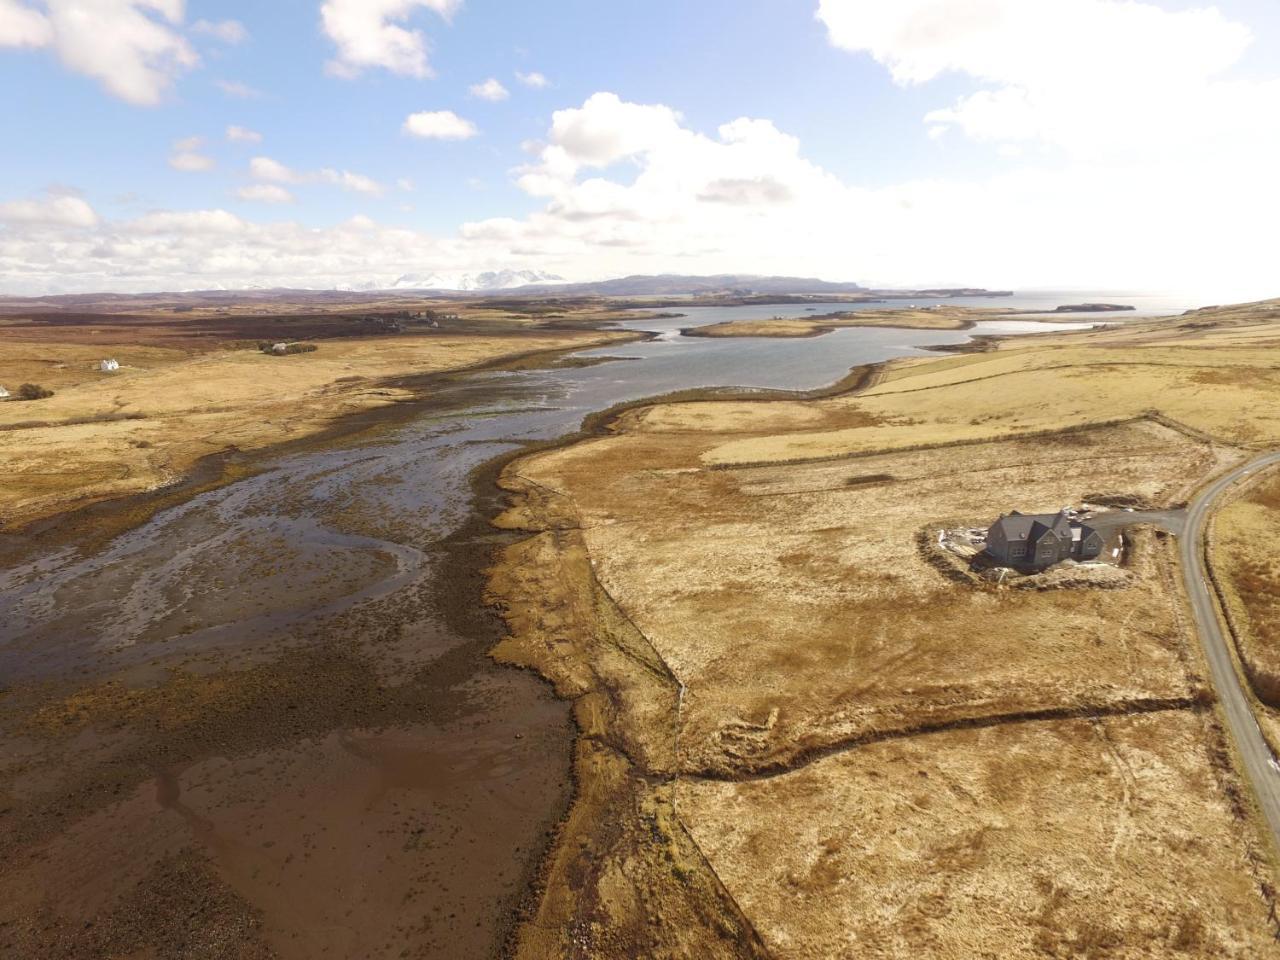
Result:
[{"x": 31, "y": 391}]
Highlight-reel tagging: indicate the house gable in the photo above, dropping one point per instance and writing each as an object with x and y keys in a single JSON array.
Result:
[{"x": 1041, "y": 540}]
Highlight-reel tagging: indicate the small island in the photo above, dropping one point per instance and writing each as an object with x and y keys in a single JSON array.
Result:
[
  {"x": 1094, "y": 308},
  {"x": 934, "y": 317}
]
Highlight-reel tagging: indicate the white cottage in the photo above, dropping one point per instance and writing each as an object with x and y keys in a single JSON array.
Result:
[
  {"x": 109, "y": 366},
  {"x": 280, "y": 349},
  {"x": 4, "y": 394}
]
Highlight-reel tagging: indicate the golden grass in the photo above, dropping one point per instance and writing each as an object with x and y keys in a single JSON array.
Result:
[
  {"x": 63, "y": 365},
  {"x": 1246, "y": 561},
  {"x": 1084, "y": 839},
  {"x": 108, "y": 435},
  {"x": 850, "y": 740},
  {"x": 798, "y": 612},
  {"x": 1010, "y": 392},
  {"x": 910, "y": 318}
]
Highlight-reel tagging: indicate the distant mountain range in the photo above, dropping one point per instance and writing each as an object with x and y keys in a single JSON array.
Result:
[
  {"x": 724, "y": 288},
  {"x": 665, "y": 285},
  {"x": 731, "y": 284},
  {"x": 476, "y": 282},
  {"x": 734, "y": 285}
]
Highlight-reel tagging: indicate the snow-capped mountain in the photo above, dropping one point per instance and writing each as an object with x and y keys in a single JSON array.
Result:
[{"x": 490, "y": 280}]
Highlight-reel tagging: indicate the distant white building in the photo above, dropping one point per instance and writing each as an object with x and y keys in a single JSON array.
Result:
[
  {"x": 4, "y": 394},
  {"x": 280, "y": 349},
  {"x": 109, "y": 366}
]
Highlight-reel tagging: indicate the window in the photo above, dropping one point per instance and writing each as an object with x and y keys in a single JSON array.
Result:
[{"x": 1018, "y": 551}]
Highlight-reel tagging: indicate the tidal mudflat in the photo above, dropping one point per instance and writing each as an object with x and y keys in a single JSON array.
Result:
[{"x": 265, "y": 711}]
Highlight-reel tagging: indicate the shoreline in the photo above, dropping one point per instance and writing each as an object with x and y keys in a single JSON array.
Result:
[
  {"x": 817, "y": 329},
  {"x": 276, "y": 687},
  {"x": 526, "y": 605},
  {"x": 497, "y": 499},
  {"x": 798, "y": 328},
  {"x": 93, "y": 521},
  {"x": 461, "y": 598}
]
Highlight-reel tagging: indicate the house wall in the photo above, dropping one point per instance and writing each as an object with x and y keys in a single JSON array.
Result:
[
  {"x": 1091, "y": 547},
  {"x": 1048, "y": 549},
  {"x": 1051, "y": 548},
  {"x": 997, "y": 546}
]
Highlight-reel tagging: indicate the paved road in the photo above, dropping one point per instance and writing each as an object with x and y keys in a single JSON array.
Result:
[
  {"x": 1174, "y": 521},
  {"x": 1258, "y": 761}
]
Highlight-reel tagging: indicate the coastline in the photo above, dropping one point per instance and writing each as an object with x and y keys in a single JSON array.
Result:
[
  {"x": 323, "y": 682},
  {"x": 817, "y": 326},
  {"x": 473, "y": 551},
  {"x": 550, "y": 533},
  {"x": 948, "y": 319},
  {"x": 94, "y": 520},
  {"x": 602, "y": 763}
]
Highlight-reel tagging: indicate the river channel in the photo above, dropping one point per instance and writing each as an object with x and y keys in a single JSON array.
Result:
[{"x": 399, "y": 801}]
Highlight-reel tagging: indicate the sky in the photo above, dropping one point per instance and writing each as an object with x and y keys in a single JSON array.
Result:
[{"x": 1090, "y": 144}]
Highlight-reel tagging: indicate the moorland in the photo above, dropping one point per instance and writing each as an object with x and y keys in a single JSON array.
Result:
[
  {"x": 800, "y": 739},
  {"x": 796, "y": 733}
]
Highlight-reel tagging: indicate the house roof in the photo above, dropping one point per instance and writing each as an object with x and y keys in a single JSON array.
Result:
[{"x": 1030, "y": 527}]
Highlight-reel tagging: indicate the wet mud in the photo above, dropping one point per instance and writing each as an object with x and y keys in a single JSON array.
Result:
[
  {"x": 273, "y": 700},
  {"x": 254, "y": 715}
]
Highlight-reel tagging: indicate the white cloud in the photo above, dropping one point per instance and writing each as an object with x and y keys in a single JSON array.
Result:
[
  {"x": 172, "y": 223},
  {"x": 367, "y": 36},
  {"x": 265, "y": 193},
  {"x": 439, "y": 125},
  {"x": 1086, "y": 76},
  {"x": 490, "y": 90},
  {"x": 606, "y": 128},
  {"x": 204, "y": 249},
  {"x": 405, "y": 184},
  {"x": 533, "y": 79},
  {"x": 1023, "y": 42},
  {"x": 354, "y": 182},
  {"x": 130, "y": 46},
  {"x": 23, "y": 26},
  {"x": 674, "y": 175},
  {"x": 53, "y": 211},
  {"x": 187, "y": 157},
  {"x": 228, "y": 31},
  {"x": 744, "y": 199},
  {"x": 264, "y": 168},
  {"x": 241, "y": 91},
  {"x": 630, "y": 188},
  {"x": 243, "y": 135},
  {"x": 192, "y": 162},
  {"x": 633, "y": 188},
  {"x": 272, "y": 171}
]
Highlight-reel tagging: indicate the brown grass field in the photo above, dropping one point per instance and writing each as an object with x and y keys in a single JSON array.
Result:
[
  {"x": 1094, "y": 838},
  {"x": 1246, "y": 561},
  {"x": 799, "y": 736},
  {"x": 910, "y": 318},
  {"x": 183, "y": 394},
  {"x": 846, "y": 752}
]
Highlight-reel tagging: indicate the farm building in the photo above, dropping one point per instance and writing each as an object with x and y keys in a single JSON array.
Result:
[
  {"x": 4, "y": 394},
  {"x": 109, "y": 366},
  {"x": 1038, "y": 541},
  {"x": 280, "y": 349}
]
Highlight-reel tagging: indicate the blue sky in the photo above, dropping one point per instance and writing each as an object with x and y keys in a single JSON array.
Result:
[
  {"x": 845, "y": 87},
  {"x": 728, "y": 58}
]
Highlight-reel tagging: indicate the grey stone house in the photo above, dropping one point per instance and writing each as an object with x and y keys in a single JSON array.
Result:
[{"x": 1037, "y": 541}]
